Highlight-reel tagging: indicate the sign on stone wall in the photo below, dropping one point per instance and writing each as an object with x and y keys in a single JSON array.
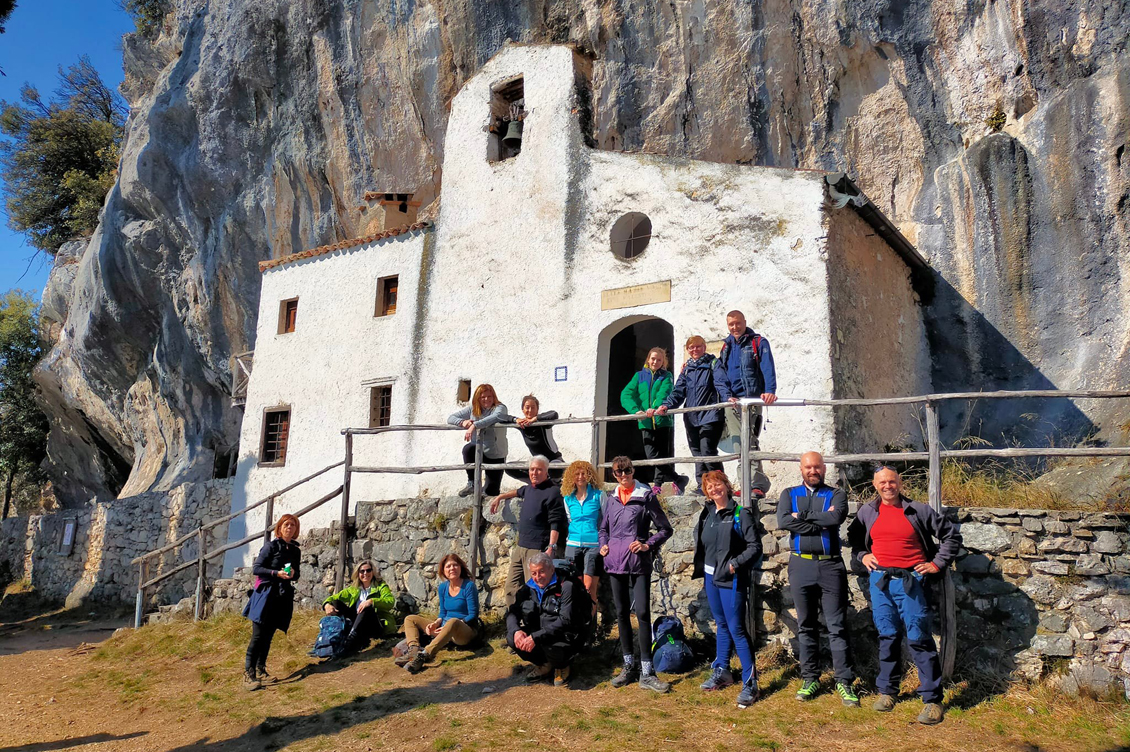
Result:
[{"x": 636, "y": 295}]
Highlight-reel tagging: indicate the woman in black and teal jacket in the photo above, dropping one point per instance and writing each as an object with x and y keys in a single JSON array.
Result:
[{"x": 646, "y": 391}]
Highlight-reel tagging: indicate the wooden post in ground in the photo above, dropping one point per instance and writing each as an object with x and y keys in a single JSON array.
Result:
[
  {"x": 339, "y": 577},
  {"x": 948, "y": 610},
  {"x": 594, "y": 452},
  {"x": 201, "y": 576},
  {"x": 269, "y": 519},
  {"x": 139, "y": 606},
  {"x": 477, "y": 519},
  {"x": 754, "y": 509}
]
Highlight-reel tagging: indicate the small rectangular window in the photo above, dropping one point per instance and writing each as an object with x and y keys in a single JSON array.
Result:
[
  {"x": 386, "y": 295},
  {"x": 380, "y": 406},
  {"x": 288, "y": 315},
  {"x": 276, "y": 434},
  {"x": 464, "y": 393}
]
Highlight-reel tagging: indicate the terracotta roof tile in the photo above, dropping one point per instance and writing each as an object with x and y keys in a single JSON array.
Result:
[{"x": 341, "y": 245}]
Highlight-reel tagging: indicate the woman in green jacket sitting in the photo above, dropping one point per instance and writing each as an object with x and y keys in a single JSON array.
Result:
[
  {"x": 646, "y": 391},
  {"x": 367, "y": 604}
]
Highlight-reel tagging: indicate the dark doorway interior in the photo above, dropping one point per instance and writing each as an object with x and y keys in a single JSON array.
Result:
[{"x": 626, "y": 355}]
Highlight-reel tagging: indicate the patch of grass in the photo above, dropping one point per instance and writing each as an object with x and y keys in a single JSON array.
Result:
[
  {"x": 442, "y": 743},
  {"x": 996, "y": 119}
]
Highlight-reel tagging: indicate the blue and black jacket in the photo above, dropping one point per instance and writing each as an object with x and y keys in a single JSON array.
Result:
[
  {"x": 746, "y": 367},
  {"x": 696, "y": 387},
  {"x": 819, "y": 514}
]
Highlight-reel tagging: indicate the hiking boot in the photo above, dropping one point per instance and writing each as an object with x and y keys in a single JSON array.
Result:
[
  {"x": 883, "y": 704},
  {"x": 654, "y": 683},
  {"x": 808, "y": 690},
  {"x": 627, "y": 675},
  {"x": 847, "y": 696},
  {"x": 416, "y": 665},
  {"x": 409, "y": 656},
  {"x": 932, "y": 714},
  {"x": 537, "y": 673},
  {"x": 263, "y": 676},
  {"x": 561, "y": 676},
  {"x": 749, "y": 694},
  {"x": 251, "y": 681},
  {"x": 657, "y": 489},
  {"x": 719, "y": 679},
  {"x": 466, "y": 490},
  {"x": 681, "y": 483}
]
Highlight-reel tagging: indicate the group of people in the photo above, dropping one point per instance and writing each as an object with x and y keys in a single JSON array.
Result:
[
  {"x": 743, "y": 368},
  {"x": 616, "y": 534}
]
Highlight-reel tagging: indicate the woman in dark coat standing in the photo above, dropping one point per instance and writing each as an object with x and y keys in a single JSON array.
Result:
[
  {"x": 695, "y": 388},
  {"x": 727, "y": 543},
  {"x": 276, "y": 570},
  {"x": 628, "y": 547}
]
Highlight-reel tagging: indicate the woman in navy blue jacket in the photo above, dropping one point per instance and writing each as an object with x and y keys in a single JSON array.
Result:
[
  {"x": 271, "y": 605},
  {"x": 695, "y": 388}
]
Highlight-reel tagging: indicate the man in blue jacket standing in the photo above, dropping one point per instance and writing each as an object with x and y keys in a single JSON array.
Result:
[
  {"x": 813, "y": 513},
  {"x": 747, "y": 370}
]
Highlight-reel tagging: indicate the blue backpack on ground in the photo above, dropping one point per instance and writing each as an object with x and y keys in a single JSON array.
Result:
[
  {"x": 670, "y": 652},
  {"x": 331, "y": 637}
]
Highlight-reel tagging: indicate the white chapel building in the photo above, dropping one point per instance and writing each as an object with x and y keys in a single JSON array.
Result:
[{"x": 551, "y": 268}]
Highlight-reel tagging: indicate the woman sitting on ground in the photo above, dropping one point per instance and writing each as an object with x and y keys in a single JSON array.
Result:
[
  {"x": 539, "y": 439},
  {"x": 458, "y": 619},
  {"x": 583, "y": 503},
  {"x": 480, "y": 419},
  {"x": 727, "y": 542},
  {"x": 276, "y": 569},
  {"x": 367, "y": 604}
]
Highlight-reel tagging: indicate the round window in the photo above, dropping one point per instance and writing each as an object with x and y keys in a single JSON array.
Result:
[{"x": 630, "y": 235}]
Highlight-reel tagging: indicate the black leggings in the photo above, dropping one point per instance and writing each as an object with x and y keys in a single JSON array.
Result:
[
  {"x": 656, "y": 446},
  {"x": 632, "y": 592},
  {"x": 260, "y": 645},
  {"x": 494, "y": 477}
]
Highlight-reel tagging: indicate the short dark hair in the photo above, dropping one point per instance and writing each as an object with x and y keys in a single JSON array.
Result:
[{"x": 621, "y": 463}]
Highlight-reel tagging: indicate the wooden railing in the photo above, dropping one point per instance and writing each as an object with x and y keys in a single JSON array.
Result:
[{"x": 933, "y": 455}]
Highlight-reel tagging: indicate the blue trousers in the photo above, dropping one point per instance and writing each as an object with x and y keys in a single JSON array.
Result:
[
  {"x": 901, "y": 607},
  {"x": 728, "y": 607}
]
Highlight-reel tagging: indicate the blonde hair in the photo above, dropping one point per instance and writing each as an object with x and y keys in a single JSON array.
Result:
[
  {"x": 476, "y": 408},
  {"x": 569, "y": 479},
  {"x": 357, "y": 572},
  {"x": 692, "y": 339},
  {"x": 662, "y": 354}
]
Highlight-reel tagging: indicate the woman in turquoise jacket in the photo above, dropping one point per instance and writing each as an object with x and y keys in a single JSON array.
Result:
[
  {"x": 644, "y": 392},
  {"x": 367, "y": 604}
]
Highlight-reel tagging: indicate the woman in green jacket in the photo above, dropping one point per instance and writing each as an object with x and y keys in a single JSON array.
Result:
[
  {"x": 646, "y": 391},
  {"x": 367, "y": 604}
]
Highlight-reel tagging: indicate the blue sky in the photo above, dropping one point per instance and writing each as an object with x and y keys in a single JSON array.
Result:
[{"x": 42, "y": 35}]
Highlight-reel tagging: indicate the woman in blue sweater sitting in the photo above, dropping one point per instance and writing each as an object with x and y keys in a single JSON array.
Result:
[{"x": 458, "y": 620}]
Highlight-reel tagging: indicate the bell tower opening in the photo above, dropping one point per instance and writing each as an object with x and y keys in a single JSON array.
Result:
[
  {"x": 623, "y": 348},
  {"x": 507, "y": 119}
]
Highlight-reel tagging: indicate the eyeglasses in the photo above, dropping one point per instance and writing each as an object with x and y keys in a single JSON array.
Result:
[
  {"x": 364, "y": 571},
  {"x": 626, "y": 471}
]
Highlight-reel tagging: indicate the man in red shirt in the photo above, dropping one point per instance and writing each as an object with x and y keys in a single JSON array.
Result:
[{"x": 894, "y": 538}]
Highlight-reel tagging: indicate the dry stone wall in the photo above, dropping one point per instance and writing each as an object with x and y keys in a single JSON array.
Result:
[
  {"x": 1039, "y": 593},
  {"x": 107, "y": 537}
]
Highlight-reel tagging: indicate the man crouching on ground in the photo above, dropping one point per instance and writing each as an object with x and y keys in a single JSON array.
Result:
[
  {"x": 548, "y": 623},
  {"x": 894, "y": 538}
]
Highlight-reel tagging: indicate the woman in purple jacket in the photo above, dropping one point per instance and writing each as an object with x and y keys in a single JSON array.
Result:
[{"x": 627, "y": 543}]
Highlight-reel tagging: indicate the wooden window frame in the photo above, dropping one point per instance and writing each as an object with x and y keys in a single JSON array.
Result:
[
  {"x": 382, "y": 309},
  {"x": 380, "y": 415},
  {"x": 267, "y": 412},
  {"x": 463, "y": 386},
  {"x": 283, "y": 310}
]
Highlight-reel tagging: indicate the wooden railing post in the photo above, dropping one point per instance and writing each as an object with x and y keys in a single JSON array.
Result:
[
  {"x": 476, "y": 520},
  {"x": 269, "y": 519},
  {"x": 747, "y": 483},
  {"x": 139, "y": 606},
  {"x": 201, "y": 576},
  {"x": 594, "y": 451},
  {"x": 948, "y": 610},
  {"x": 339, "y": 577}
]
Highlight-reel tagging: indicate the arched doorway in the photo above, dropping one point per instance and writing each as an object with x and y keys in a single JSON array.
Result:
[{"x": 622, "y": 349}]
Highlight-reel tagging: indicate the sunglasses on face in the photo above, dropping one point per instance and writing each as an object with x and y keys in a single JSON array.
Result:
[
  {"x": 365, "y": 571},
  {"x": 628, "y": 471}
]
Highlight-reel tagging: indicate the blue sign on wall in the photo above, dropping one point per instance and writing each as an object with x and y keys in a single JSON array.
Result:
[{"x": 561, "y": 373}]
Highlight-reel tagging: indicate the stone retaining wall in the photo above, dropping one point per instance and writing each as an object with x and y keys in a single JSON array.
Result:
[
  {"x": 1038, "y": 592},
  {"x": 108, "y": 535}
]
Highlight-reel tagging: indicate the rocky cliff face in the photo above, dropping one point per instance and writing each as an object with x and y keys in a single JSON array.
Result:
[{"x": 993, "y": 133}]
